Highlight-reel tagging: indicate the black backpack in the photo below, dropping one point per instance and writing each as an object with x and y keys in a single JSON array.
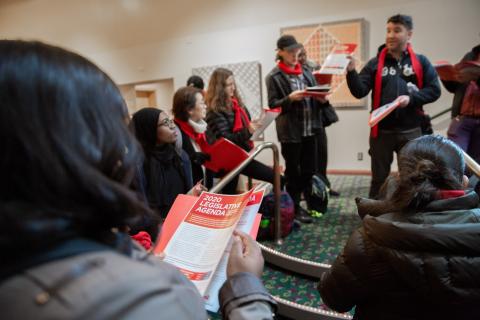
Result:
[{"x": 316, "y": 194}]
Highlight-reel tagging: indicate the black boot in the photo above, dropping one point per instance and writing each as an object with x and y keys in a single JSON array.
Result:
[{"x": 302, "y": 215}]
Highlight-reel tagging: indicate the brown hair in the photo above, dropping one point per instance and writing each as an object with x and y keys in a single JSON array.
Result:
[
  {"x": 426, "y": 165},
  {"x": 183, "y": 101},
  {"x": 216, "y": 97}
]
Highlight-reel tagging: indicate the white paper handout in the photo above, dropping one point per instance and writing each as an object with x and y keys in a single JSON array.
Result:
[
  {"x": 268, "y": 118},
  {"x": 337, "y": 61},
  {"x": 245, "y": 224},
  {"x": 200, "y": 240}
]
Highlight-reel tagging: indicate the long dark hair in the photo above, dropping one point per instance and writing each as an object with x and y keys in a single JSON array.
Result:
[
  {"x": 216, "y": 97},
  {"x": 426, "y": 165},
  {"x": 67, "y": 154}
]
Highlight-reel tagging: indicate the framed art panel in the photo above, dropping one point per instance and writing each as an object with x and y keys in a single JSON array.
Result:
[
  {"x": 318, "y": 40},
  {"x": 247, "y": 79}
]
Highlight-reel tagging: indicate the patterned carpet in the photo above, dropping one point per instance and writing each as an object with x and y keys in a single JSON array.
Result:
[{"x": 320, "y": 241}]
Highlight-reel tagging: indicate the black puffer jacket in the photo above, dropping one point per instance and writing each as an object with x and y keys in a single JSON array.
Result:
[
  {"x": 220, "y": 124},
  {"x": 420, "y": 266}
]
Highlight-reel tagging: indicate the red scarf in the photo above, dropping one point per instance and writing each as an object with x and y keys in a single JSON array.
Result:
[
  {"x": 447, "y": 194},
  {"x": 417, "y": 68},
  {"x": 296, "y": 70},
  {"x": 143, "y": 239},
  {"x": 240, "y": 113},
  {"x": 199, "y": 138}
]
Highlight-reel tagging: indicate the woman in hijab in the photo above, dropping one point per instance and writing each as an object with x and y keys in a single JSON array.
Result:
[{"x": 165, "y": 174}]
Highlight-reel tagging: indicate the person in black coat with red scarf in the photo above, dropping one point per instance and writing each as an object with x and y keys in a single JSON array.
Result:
[
  {"x": 300, "y": 119},
  {"x": 396, "y": 72}
]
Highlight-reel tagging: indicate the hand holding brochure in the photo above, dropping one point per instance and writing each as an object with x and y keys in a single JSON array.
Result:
[
  {"x": 318, "y": 91},
  {"x": 225, "y": 155},
  {"x": 337, "y": 61},
  {"x": 380, "y": 113},
  {"x": 195, "y": 236},
  {"x": 249, "y": 223}
]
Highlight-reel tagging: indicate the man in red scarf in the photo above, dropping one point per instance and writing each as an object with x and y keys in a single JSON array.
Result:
[{"x": 395, "y": 72}]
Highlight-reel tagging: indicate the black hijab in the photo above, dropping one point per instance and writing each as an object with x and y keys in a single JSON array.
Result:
[{"x": 164, "y": 173}]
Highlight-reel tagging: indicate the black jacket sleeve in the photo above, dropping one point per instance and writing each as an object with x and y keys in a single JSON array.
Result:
[
  {"x": 361, "y": 83},
  {"x": 277, "y": 96},
  {"x": 219, "y": 125},
  {"x": 431, "y": 86}
]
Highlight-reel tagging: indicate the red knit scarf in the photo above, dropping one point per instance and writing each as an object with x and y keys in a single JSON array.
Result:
[
  {"x": 240, "y": 113},
  {"x": 296, "y": 70},
  {"x": 199, "y": 138},
  {"x": 417, "y": 68}
]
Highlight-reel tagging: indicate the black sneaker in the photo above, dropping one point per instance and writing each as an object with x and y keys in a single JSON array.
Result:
[
  {"x": 333, "y": 193},
  {"x": 302, "y": 215}
]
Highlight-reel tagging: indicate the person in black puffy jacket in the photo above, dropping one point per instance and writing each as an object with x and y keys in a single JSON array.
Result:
[
  {"x": 418, "y": 256},
  {"x": 228, "y": 118}
]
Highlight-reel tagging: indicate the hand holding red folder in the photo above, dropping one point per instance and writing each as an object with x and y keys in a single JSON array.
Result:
[{"x": 224, "y": 155}]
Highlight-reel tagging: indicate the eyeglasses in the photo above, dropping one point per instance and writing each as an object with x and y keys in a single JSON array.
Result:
[{"x": 167, "y": 122}]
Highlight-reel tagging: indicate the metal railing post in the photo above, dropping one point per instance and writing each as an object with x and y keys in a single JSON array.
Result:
[
  {"x": 276, "y": 182},
  {"x": 471, "y": 164}
]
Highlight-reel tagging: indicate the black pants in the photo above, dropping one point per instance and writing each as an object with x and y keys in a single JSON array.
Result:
[
  {"x": 299, "y": 166},
  {"x": 255, "y": 170},
  {"x": 381, "y": 151},
  {"x": 322, "y": 155}
]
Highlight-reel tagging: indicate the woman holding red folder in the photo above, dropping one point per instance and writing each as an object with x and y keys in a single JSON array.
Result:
[{"x": 227, "y": 117}]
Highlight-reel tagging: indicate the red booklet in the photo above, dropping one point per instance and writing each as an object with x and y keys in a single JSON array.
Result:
[
  {"x": 318, "y": 91},
  {"x": 225, "y": 155},
  {"x": 379, "y": 114},
  {"x": 323, "y": 78},
  {"x": 448, "y": 72}
]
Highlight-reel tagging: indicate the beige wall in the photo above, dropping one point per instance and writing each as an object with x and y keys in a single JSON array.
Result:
[{"x": 138, "y": 41}]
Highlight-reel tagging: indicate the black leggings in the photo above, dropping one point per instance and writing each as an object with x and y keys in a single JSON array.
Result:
[
  {"x": 255, "y": 170},
  {"x": 299, "y": 166}
]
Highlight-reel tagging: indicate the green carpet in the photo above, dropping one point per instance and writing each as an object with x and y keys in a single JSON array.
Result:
[{"x": 320, "y": 241}]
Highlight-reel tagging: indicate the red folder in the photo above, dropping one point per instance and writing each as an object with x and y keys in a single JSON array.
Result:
[
  {"x": 225, "y": 155},
  {"x": 323, "y": 78},
  {"x": 449, "y": 72}
]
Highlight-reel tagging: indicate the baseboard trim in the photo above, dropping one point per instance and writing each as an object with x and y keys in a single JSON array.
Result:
[{"x": 350, "y": 172}]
